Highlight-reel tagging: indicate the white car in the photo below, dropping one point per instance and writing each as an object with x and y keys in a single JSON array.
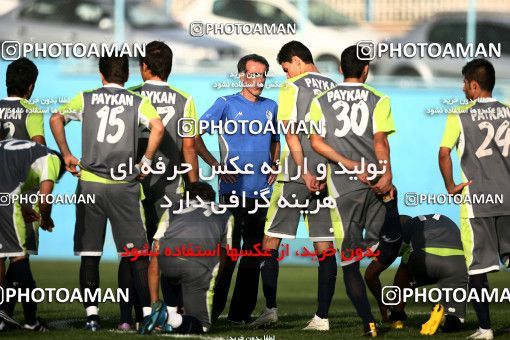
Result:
[
  {"x": 449, "y": 28},
  {"x": 326, "y": 31}
]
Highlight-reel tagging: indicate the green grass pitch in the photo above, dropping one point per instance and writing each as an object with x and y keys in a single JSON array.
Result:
[{"x": 296, "y": 303}]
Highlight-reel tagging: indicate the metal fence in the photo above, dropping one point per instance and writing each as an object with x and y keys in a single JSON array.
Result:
[
  {"x": 395, "y": 11},
  {"x": 391, "y": 11}
]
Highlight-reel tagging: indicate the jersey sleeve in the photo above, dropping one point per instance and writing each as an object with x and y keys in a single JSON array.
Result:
[
  {"x": 316, "y": 116},
  {"x": 74, "y": 109},
  {"x": 383, "y": 117},
  {"x": 146, "y": 112},
  {"x": 35, "y": 122},
  {"x": 190, "y": 113},
  {"x": 227, "y": 235},
  {"x": 451, "y": 131},
  {"x": 215, "y": 114},
  {"x": 287, "y": 97}
]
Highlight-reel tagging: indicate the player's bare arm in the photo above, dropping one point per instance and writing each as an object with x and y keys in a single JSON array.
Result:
[
  {"x": 445, "y": 165},
  {"x": 39, "y": 139},
  {"x": 207, "y": 156},
  {"x": 275, "y": 155},
  {"x": 382, "y": 153},
  {"x": 45, "y": 189},
  {"x": 323, "y": 149},
  {"x": 155, "y": 137},
  {"x": 189, "y": 154},
  {"x": 296, "y": 151}
]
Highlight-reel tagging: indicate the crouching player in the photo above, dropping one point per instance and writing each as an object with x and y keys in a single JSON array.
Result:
[
  {"x": 26, "y": 166},
  {"x": 432, "y": 254},
  {"x": 195, "y": 227}
]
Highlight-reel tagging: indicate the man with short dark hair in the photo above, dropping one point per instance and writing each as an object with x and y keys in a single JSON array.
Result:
[
  {"x": 247, "y": 150},
  {"x": 356, "y": 120},
  {"x": 479, "y": 130},
  {"x": 176, "y": 150},
  {"x": 111, "y": 116},
  {"x": 19, "y": 118},
  {"x": 300, "y": 184},
  {"x": 199, "y": 230},
  {"x": 26, "y": 166}
]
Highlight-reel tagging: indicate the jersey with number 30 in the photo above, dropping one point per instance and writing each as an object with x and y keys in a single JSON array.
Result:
[
  {"x": 481, "y": 132},
  {"x": 110, "y": 118},
  {"x": 350, "y": 114}
]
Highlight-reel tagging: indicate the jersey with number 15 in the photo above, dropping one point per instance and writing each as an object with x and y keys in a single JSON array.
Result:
[
  {"x": 110, "y": 119},
  {"x": 481, "y": 132}
]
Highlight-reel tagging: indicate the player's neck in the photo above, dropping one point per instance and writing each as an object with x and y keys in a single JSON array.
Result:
[
  {"x": 26, "y": 96},
  {"x": 483, "y": 94},
  {"x": 246, "y": 94},
  {"x": 156, "y": 78},
  {"x": 105, "y": 83},
  {"x": 311, "y": 68}
]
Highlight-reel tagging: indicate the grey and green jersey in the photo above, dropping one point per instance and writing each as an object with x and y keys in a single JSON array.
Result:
[
  {"x": 350, "y": 114},
  {"x": 481, "y": 132},
  {"x": 434, "y": 234},
  {"x": 25, "y": 164},
  {"x": 172, "y": 105},
  {"x": 294, "y": 100},
  {"x": 196, "y": 228},
  {"x": 20, "y": 119},
  {"x": 110, "y": 119}
]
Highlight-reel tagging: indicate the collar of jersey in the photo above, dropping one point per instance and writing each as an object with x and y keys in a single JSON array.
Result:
[
  {"x": 156, "y": 82},
  {"x": 351, "y": 84},
  {"x": 13, "y": 98},
  {"x": 113, "y": 85},
  {"x": 259, "y": 99}
]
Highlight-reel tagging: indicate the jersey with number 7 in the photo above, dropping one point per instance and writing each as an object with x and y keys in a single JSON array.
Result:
[
  {"x": 173, "y": 106},
  {"x": 480, "y": 131},
  {"x": 110, "y": 119}
]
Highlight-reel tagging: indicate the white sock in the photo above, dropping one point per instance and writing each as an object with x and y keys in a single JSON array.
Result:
[
  {"x": 174, "y": 319},
  {"x": 146, "y": 311},
  {"x": 32, "y": 327},
  {"x": 483, "y": 330},
  {"x": 92, "y": 310},
  {"x": 170, "y": 310}
]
